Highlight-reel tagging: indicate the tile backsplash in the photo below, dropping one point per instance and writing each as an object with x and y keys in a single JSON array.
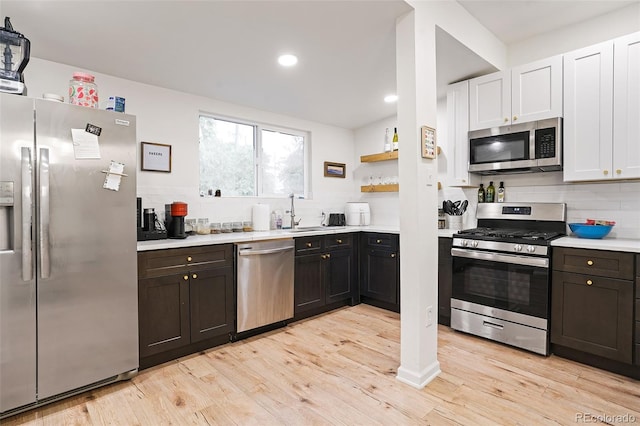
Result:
[{"x": 618, "y": 200}]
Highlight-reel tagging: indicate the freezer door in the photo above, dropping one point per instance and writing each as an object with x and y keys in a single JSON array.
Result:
[
  {"x": 87, "y": 267},
  {"x": 17, "y": 270}
]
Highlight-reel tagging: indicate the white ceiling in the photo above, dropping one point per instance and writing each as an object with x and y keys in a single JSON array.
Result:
[{"x": 227, "y": 49}]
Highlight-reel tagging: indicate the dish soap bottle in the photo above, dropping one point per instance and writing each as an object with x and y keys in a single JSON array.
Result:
[
  {"x": 491, "y": 193},
  {"x": 481, "y": 193},
  {"x": 395, "y": 138},
  {"x": 501, "y": 193},
  {"x": 387, "y": 141}
]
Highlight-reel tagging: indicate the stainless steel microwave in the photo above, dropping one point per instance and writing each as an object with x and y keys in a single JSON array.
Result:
[{"x": 527, "y": 147}]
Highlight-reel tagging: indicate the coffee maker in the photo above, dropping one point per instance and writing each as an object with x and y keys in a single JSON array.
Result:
[
  {"x": 14, "y": 56},
  {"x": 149, "y": 227},
  {"x": 174, "y": 215}
]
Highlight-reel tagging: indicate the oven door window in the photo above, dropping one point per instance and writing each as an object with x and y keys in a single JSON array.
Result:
[
  {"x": 498, "y": 149},
  {"x": 515, "y": 288}
]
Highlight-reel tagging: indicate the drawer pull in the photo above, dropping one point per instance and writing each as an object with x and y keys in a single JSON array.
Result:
[
  {"x": 393, "y": 255},
  {"x": 589, "y": 282},
  {"x": 328, "y": 255},
  {"x": 378, "y": 241},
  {"x": 194, "y": 276},
  {"x": 324, "y": 256},
  {"x": 186, "y": 278},
  {"x": 590, "y": 262},
  {"x": 339, "y": 241},
  {"x": 309, "y": 245},
  {"x": 189, "y": 258}
]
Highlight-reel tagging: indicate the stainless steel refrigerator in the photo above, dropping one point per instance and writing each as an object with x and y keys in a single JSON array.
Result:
[{"x": 68, "y": 269}]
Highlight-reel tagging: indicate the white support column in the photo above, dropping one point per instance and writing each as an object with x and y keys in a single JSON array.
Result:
[{"x": 417, "y": 100}]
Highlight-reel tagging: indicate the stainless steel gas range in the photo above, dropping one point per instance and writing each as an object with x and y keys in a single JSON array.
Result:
[{"x": 502, "y": 275}]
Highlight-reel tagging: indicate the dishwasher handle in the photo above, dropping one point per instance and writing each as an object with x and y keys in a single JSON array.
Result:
[{"x": 250, "y": 252}]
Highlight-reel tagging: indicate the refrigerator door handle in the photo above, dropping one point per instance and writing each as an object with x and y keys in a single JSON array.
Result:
[
  {"x": 45, "y": 260},
  {"x": 27, "y": 206}
]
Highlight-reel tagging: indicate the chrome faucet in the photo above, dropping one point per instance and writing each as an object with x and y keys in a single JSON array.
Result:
[{"x": 292, "y": 211}]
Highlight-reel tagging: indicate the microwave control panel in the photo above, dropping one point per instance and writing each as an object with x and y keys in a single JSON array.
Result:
[{"x": 546, "y": 143}]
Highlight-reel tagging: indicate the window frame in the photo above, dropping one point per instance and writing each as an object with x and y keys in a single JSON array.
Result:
[{"x": 258, "y": 127}]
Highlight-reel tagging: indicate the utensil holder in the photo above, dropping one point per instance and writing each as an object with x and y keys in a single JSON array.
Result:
[{"x": 454, "y": 222}]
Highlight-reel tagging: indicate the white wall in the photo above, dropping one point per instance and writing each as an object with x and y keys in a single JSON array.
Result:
[
  {"x": 171, "y": 117},
  {"x": 370, "y": 140},
  {"x": 602, "y": 28}
]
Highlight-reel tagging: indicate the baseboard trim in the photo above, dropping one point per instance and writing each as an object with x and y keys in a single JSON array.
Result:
[{"x": 419, "y": 379}]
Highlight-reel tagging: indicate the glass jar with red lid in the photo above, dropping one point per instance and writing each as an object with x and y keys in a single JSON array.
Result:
[{"x": 83, "y": 91}]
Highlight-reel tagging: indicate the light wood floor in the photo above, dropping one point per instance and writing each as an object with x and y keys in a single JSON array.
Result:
[{"x": 340, "y": 368}]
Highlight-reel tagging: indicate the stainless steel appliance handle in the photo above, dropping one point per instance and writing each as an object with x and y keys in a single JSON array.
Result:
[
  {"x": 492, "y": 325},
  {"x": 43, "y": 225},
  {"x": 501, "y": 257},
  {"x": 27, "y": 206},
  {"x": 249, "y": 252}
]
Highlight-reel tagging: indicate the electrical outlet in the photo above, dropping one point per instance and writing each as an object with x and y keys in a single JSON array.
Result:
[{"x": 429, "y": 316}]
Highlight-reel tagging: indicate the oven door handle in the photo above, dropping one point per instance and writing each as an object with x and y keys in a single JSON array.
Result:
[{"x": 501, "y": 257}]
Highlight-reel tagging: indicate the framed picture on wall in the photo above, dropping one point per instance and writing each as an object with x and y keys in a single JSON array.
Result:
[
  {"x": 428, "y": 142},
  {"x": 156, "y": 157},
  {"x": 338, "y": 170}
]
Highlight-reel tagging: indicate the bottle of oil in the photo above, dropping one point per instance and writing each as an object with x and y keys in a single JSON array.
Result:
[
  {"x": 481, "y": 193},
  {"x": 387, "y": 141},
  {"x": 491, "y": 193},
  {"x": 501, "y": 193}
]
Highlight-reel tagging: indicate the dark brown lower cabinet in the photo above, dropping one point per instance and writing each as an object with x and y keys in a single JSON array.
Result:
[
  {"x": 593, "y": 314},
  {"x": 380, "y": 270},
  {"x": 325, "y": 274},
  {"x": 186, "y": 301},
  {"x": 637, "y": 323},
  {"x": 592, "y": 308},
  {"x": 445, "y": 276}
]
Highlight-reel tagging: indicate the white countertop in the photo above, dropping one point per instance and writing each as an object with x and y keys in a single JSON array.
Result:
[
  {"x": 611, "y": 244},
  {"x": 240, "y": 237},
  {"x": 447, "y": 233}
]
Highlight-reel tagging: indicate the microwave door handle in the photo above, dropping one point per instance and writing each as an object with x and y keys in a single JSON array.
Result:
[
  {"x": 44, "y": 219},
  {"x": 27, "y": 206},
  {"x": 532, "y": 144}
]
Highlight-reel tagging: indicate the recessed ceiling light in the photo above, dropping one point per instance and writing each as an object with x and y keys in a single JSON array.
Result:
[
  {"x": 287, "y": 60},
  {"x": 390, "y": 98}
]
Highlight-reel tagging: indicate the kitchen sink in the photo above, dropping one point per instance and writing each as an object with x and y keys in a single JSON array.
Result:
[{"x": 307, "y": 229}]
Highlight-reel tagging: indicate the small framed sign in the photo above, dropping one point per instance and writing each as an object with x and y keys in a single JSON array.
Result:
[
  {"x": 156, "y": 157},
  {"x": 428, "y": 142},
  {"x": 335, "y": 169}
]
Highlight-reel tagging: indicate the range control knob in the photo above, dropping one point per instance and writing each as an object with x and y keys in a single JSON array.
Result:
[
  {"x": 531, "y": 249},
  {"x": 464, "y": 243},
  {"x": 517, "y": 247},
  {"x": 474, "y": 244}
]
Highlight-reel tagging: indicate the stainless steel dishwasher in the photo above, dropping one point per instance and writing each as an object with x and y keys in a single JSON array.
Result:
[{"x": 265, "y": 283}]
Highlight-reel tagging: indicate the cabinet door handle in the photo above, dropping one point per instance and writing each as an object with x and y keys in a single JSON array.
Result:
[
  {"x": 618, "y": 171},
  {"x": 506, "y": 120},
  {"x": 186, "y": 278},
  {"x": 589, "y": 282},
  {"x": 393, "y": 255},
  {"x": 605, "y": 172},
  {"x": 328, "y": 255},
  {"x": 194, "y": 276},
  {"x": 339, "y": 241},
  {"x": 590, "y": 262},
  {"x": 378, "y": 241},
  {"x": 323, "y": 256},
  {"x": 515, "y": 117},
  {"x": 189, "y": 258},
  {"x": 309, "y": 245}
]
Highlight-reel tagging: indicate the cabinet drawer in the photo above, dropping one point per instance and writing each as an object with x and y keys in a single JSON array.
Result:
[
  {"x": 638, "y": 269},
  {"x": 338, "y": 241},
  {"x": 171, "y": 261},
  {"x": 307, "y": 245},
  {"x": 594, "y": 262},
  {"x": 386, "y": 241}
]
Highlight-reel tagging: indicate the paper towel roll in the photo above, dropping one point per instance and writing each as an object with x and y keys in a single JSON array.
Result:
[{"x": 261, "y": 217}]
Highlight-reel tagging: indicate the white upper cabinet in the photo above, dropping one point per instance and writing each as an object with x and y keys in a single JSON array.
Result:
[
  {"x": 536, "y": 90},
  {"x": 457, "y": 150},
  {"x": 525, "y": 93},
  {"x": 602, "y": 114},
  {"x": 626, "y": 107},
  {"x": 490, "y": 100}
]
